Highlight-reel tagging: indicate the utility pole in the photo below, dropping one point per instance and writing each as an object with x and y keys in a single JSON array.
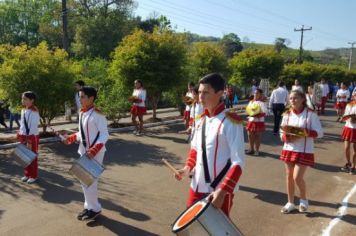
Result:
[
  {"x": 352, "y": 47},
  {"x": 301, "y": 41},
  {"x": 65, "y": 26}
]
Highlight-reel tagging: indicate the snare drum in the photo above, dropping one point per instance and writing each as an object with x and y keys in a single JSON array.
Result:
[
  {"x": 86, "y": 170},
  {"x": 23, "y": 155},
  {"x": 201, "y": 219}
]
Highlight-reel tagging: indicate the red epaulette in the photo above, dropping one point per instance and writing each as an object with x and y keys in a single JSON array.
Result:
[{"x": 233, "y": 117}]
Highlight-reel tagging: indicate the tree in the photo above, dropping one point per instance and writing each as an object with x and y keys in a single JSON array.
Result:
[
  {"x": 280, "y": 44},
  {"x": 158, "y": 59},
  {"x": 41, "y": 70},
  {"x": 255, "y": 64},
  {"x": 205, "y": 58},
  {"x": 232, "y": 44},
  {"x": 111, "y": 97},
  {"x": 101, "y": 27}
]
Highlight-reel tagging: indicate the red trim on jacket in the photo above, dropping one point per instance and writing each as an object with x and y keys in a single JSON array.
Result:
[
  {"x": 72, "y": 138},
  {"x": 218, "y": 109},
  {"x": 95, "y": 149},
  {"x": 231, "y": 179},
  {"x": 192, "y": 159}
]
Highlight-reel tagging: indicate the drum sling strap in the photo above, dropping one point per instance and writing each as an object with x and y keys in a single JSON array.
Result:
[
  {"x": 83, "y": 134},
  {"x": 221, "y": 175},
  {"x": 26, "y": 125}
]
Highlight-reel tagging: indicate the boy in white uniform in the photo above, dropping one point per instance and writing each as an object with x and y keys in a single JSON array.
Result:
[
  {"x": 92, "y": 135},
  {"x": 216, "y": 157}
]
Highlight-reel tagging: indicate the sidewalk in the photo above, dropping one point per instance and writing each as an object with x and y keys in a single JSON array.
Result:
[{"x": 59, "y": 123}]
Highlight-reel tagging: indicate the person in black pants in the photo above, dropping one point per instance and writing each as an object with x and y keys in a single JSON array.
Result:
[
  {"x": 2, "y": 115},
  {"x": 278, "y": 102}
]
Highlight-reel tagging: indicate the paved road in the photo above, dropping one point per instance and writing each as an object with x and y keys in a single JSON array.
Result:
[{"x": 140, "y": 197}]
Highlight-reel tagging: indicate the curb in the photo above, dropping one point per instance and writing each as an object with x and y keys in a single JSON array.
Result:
[{"x": 111, "y": 130}]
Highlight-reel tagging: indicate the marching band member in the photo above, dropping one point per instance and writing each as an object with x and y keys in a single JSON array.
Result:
[
  {"x": 190, "y": 94},
  {"x": 28, "y": 133},
  {"x": 349, "y": 135},
  {"x": 92, "y": 136},
  {"x": 196, "y": 112},
  {"x": 256, "y": 123},
  {"x": 78, "y": 85},
  {"x": 325, "y": 92},
  {"x": 342, "y": 96},
  {"x": 309, "y": 96},
  {"x": 216, "y": 157},
  {"x": 138, "y": 108},
  {"x": 298, "y": 150}
]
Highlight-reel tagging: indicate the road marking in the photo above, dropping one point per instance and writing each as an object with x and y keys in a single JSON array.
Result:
[{"x": 341, "y": 212}]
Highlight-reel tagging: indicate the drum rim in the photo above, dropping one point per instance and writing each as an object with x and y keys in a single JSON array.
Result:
[{"x": 194, "y": 218}]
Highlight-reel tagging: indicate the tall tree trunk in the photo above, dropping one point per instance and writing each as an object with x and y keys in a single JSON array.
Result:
[{"x": 65, "y": 26}]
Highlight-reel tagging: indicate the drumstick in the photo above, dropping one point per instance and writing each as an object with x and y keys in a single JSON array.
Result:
[
  {"x": 170, "y": 167},
  {"x": 57, "y": 134}
]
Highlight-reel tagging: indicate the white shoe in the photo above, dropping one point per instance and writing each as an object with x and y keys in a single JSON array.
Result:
[
  {"x": 24, "y": 179},
  {"x": 138, "y": 133},
  {"x": 31, "y": 180},
  {"x": 303, "y": 205},
  {"x": 288, "y": 208},
  {"x": 134, "y": 132}
]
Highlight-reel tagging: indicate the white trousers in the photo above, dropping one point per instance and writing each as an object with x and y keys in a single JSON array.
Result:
[{"x": 91, "y": 193}]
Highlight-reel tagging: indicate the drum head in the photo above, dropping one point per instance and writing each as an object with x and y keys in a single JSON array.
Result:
[{"x": 190, "y": 215}]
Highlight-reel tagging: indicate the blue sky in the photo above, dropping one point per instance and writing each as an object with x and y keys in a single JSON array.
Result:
[{"x": 261, "y": 20}]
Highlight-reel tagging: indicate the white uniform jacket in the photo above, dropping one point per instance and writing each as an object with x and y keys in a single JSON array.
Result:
[
  {"x": 33, "y": 119},
  {"x": 93, "y": 122},
  {"x": 224, "y": 141},
  {"x": 141, "y": 94},
  {"x": 342, "y": 95},
  {"x": 188, "y": 94},
  {"x": 350, "y": 110},
  {"x": 324, "y": 89},
  {"x": 307, "y": 119}
]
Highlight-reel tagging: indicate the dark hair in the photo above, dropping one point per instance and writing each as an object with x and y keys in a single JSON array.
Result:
[
  {"x": 30, "y": 95},
  {"x": 259, "y": 90},
  {"x": 215, "y": 80},
  {"x": 196, "y": 89},
  {"x": 139, "y": 81},
  {"x": 80, "y": 83},
  {"x": 89, "y": 91},
  {"x": 280, "y": 84},
  {"x": 191, "y": 84}
]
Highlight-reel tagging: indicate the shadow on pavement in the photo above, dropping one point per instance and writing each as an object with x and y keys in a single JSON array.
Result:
[
  {"x": 279, "y": 198},
  {"x": 117, "y": 227}
]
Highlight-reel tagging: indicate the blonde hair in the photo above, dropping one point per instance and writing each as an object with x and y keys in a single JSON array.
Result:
[{"x": 302, "y": 95}]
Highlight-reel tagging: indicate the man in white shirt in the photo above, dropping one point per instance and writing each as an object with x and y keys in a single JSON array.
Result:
[
  {"x": 278, "y": 102},
  {"x": 325, "y": 92}
]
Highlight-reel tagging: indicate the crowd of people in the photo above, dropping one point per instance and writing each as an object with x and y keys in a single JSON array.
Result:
[{"x": 217, "y": 155}]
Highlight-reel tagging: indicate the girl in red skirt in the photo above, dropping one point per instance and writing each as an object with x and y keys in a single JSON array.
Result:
[
  {"x": 342, "y": 96},
  {"x": 298, "y": 149},
  {"x": 190, "y": 93},
  {"x": 349, "y": 135},
  {"x": 138, "y": 108},
  {"x": 28, "y": 133},
  {"x": 256, "y": 124}
]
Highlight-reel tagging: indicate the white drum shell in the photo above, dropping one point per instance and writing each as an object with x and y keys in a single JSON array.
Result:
[
  {"x": 23, "y": 155},
  {"x": 86, "y": 170},
  {"x": 212, "y": 222}
]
